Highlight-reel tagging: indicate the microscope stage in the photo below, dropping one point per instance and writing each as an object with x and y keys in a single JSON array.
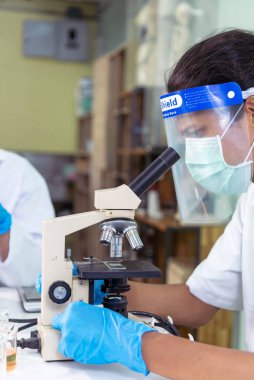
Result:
[{"x": 116, "y": 269}]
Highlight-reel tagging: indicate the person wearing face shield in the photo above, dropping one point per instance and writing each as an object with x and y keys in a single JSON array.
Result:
[{"x": 209, "y": 118}]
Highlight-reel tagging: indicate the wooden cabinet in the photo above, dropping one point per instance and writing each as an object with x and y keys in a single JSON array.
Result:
[
  {"x": 82, "y": 192},
  {"x": 130, "y": 148},
  {"x": 83, "y": 163}
]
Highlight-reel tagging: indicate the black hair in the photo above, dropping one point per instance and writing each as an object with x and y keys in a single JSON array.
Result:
[{"x": 224, "y": 57}]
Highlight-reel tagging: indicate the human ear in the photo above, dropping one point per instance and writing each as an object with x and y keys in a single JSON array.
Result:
[{"x": 249, "y": 109}]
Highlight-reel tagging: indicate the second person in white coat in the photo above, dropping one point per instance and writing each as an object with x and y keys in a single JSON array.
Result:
[{"x": 24, "y": 204}]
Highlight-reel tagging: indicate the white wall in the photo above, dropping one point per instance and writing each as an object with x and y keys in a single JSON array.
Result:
[{"x": 235, "y": 14}]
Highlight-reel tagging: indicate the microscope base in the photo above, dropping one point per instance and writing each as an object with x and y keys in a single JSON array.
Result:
[{"x": 49, "y": 342}]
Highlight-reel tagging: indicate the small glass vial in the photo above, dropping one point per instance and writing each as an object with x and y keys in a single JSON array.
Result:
[{"x": 11, "y": 350}]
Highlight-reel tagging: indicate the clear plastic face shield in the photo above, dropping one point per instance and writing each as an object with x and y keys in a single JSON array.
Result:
[{"x": 207, "y": 126}]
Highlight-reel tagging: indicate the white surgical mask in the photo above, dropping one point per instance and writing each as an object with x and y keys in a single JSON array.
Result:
[{"x": 205, "y": 161}]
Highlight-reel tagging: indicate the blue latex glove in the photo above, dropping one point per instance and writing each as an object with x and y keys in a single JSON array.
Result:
[
  {"x": 38, "y": 283},
  {"x": 95, "y": 335},
  {"x": 5, "y": 220},
  {"x": 98, "y": 294},
  {"x": 74, "y": 270}
]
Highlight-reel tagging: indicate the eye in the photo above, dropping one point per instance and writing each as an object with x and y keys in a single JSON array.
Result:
[
  {"x": 195, "y": 131},
  {"x": 201, "y": 132}
]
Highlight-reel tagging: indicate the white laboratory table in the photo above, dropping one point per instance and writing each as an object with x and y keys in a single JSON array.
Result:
[{"x": 31, "y": 366}]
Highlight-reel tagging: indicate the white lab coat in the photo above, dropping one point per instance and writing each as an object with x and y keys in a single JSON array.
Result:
[
  {"x": 226, "y": 278},
  {"x": 24, "y": 194}
]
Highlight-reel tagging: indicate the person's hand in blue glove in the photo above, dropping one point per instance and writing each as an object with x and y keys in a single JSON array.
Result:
[
  {"x": 5, "y": 220},
  {"x": 95, "y": 335},
  {"x": 5, "y": 226}
]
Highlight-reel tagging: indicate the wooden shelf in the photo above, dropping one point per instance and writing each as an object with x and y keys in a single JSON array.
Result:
[
  {"x": 83, "y": 152},
  {"x": 123, "y": 177},
  {"x": 83, "y": 173},
  {"x": 161, "y": 224},
  {"x": 132, "y": 151},
  {"x": 85, "y": 117},
  {"x": 124, "y": 111},
  {"x": 124, "y": 94}
]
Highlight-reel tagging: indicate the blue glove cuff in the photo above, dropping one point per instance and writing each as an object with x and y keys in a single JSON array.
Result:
[
  {"x": 136, "y": 361},
  {"x": 5, "y": 220}
]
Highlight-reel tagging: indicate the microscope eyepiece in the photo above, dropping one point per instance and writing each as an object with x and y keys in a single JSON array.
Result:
[{"x": 154, "y": 171}]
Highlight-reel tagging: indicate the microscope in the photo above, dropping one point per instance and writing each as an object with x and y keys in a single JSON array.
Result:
[{"x": 115, "y": 212}]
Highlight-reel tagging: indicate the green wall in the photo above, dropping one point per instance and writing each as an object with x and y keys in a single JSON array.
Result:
[{"x": 37, "y": 103}]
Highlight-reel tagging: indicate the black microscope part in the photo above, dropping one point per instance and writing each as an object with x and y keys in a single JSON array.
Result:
[
  {"x": 91, "y": 292},
  {"x": 117, "y": 303},
  {"x": 52, "y": 293},
  {"x": 134, "y": 269},
  {"x": 115, "y": 285},
  {"x": 161, "y": 322},
  {"x": 154, "y": 171}
]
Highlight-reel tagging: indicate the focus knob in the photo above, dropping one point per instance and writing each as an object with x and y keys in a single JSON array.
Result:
[{"x": 59, "y": 292}]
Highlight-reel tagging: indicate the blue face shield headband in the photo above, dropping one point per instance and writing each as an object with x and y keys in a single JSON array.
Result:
[{"x": 199, "y": 123}]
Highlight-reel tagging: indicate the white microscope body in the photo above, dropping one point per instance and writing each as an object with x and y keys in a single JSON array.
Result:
[
  {"x": 116, "y": 207},
  {"x": 120, "y": 202}
]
